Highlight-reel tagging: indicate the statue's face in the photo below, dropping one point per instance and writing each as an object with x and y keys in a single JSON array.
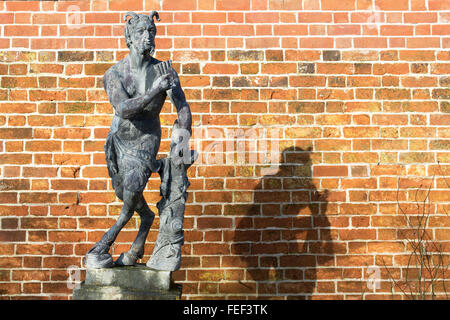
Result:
[{"x": 144, "y": 36}]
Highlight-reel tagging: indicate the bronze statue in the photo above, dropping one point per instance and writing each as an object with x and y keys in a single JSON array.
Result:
[{"x": 137, "y": 87}]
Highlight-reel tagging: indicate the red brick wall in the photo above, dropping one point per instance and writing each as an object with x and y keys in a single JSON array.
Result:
[{"x": 352, "y": 93}]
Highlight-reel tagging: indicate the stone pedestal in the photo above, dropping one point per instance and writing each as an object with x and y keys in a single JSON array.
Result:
[{"x": 127, "y": 283}]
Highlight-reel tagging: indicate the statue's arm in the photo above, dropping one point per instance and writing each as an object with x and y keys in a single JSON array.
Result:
[
  {"x": 182, "y": 129},
  {"x": 178, "y": 98},
  {"x": 125, "y": 107}
]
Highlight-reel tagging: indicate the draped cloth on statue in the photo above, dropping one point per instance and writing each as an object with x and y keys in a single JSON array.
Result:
[{"x": 129, "y": 165}]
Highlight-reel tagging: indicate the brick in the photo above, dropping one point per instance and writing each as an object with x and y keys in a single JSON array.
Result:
[
  {"x": 387, "y": 5},
  {"x": 285, "y": 5},
  {"x": 208, "y": 17},
  {"x": 344, "y": 30},
  {"x": 256, "y": 43},
  {"x": 315, "y": 17},
  {"x": 36, "y": 197},
  {"x": 15, "y": 158},
  {"x": 278, "y": 68},
  {"x": 208, "y": 43},
  {"x": 10, "y": 223},
  {"x": 261, "y": 17},
  {"x": 316, "y": 42},
  {"x": 307, "y": 81},
  {"x": 290, "y": 30},
  {"x": 396, "y": 30},
  {"x": 101, "y": 17},
  {"x": 18, "y": 6},
  {"x": 12, "y": 236},
  {"x": 357, "y": 234},
  {"x": 366, "y": 42},
  {"x": 125, "y": 5},
  {"x": 14, "y": 184},
  {"x": 438, "y": 5},
  {"x": 441, "y": 93},
  {"x": 19, "y": 82},
  {"x": 392, "y": 94},
  {"x": 338, "y": 5},
  {"x": 237, "y": 30},
  {"x": 214, "y": 223},
  {"x": 15, "y": 133},
  {"x": 247, "y": 55},
  {"x": 421, "y": 106},
  {"x": 207, "y": 249},
  {"x": 420, "y": 17},
  {"x": 330, "y": 171},
  {"x": 7, "y": 18},
  {"x": 416, "y": 157},
  {"x": 80, "y": 107},
  {"x": 49, "y": 18},
  {"x": 43, "y": 145},
  {"x": 66, "y": 56},
  {"x": 68, "y": 185},
  {"x": 220, "y": 68},
  {"x": 422, "y": 42},
  {"x": 417, "y": 55},
  {"x": 242, "y": 287},
  {"x": 97, "y": 68},
  {"x": 231, "y": 6},
  {"x": 21, "y": 31}
]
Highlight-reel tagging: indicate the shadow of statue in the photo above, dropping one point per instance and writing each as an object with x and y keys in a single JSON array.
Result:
[{"x": 285, "y": 235}]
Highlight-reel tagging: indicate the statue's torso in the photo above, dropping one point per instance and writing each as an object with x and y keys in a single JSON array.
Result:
[{"x": 143, "y": 132}]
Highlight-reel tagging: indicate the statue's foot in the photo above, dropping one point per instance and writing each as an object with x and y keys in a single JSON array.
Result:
[
  {"x": 128, "y": 258},
  {"x": 98, "y": 257}
]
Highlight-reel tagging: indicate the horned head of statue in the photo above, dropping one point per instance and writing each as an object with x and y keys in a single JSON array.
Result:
[{"x": 140, "y": 22}]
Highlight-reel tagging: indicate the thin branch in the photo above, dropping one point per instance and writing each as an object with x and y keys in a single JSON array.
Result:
[{"x": 423, "y": 249}]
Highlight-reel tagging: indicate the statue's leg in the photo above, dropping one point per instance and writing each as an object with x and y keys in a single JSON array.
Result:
[
  {"x": 147, "y": 216},
  {"x": 137, "y": 248},
  {"x": 98, "y": 256},
  {"x": 129, "y": 203}
]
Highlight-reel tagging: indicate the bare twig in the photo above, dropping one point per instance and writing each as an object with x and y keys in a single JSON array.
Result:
[{"x": 426, "y": 256}]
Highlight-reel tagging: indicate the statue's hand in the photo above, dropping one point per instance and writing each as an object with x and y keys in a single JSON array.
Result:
[
  {"x": 166, "y": 77},
  {"x": 162, "y": 83},
  {"x": 175, "y": 80}
]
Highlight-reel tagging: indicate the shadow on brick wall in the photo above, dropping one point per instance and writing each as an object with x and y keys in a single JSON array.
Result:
[{"x": 285, "y": 236}]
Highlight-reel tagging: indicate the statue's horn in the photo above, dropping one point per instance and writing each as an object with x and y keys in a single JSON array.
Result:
[
  {"x": 131, "y": 14},
  {"x": 154, "y": 14}
]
